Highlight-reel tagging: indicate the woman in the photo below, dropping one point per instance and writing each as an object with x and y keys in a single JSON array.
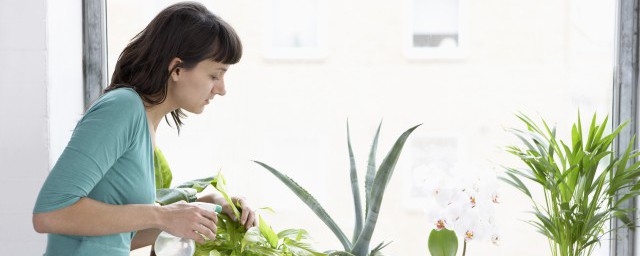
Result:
[{"x": 98, "y": 198}]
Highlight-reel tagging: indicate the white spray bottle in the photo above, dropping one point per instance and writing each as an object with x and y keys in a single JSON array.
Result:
[{"x": 169, "y": 245}]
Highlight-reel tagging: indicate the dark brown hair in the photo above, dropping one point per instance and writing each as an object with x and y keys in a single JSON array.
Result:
[{"x": 185, "y": 30}]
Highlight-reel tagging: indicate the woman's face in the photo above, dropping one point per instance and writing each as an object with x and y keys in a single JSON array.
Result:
[{"x": 192, "y": 89}]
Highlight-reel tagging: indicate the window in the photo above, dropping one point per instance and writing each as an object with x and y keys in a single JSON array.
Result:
[
  {"x": 294, "y": 30},
  {"x": 435, "y": 29},
  {"x": 544, "y": 58}
]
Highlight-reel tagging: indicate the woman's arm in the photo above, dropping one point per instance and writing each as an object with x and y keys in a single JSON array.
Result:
[
  {"x": 144, "y": 238},
  {"x": 88, "y": 217}
]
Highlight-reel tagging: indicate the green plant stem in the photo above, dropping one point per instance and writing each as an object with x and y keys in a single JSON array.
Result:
[{"x": 464, "y": 248}]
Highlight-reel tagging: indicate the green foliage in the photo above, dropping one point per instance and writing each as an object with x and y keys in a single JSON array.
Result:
[
  {"x": 443, "y": 243},
  {"x": 579, "y": 181},
  {"x": 232, "y": 239},
  {"x": 161, "y": 169},
  {"x": 165, "y": 196},
  {"x": 375, "y": 185}
]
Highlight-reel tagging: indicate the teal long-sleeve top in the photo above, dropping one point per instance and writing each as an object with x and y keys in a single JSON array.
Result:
[{"x": 109, "y": 159}]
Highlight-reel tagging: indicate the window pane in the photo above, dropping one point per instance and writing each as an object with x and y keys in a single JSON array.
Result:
[
  {"x": 295, "y": 23},
  {"x": 546, "y": 58},
  {"x": 435, "y": 23}
]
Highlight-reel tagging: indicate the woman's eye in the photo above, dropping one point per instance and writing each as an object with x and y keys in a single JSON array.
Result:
[{"x": 214, "y": 77}]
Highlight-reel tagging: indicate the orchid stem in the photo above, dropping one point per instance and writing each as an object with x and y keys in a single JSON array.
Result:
[{"x": 464, "y": 248}]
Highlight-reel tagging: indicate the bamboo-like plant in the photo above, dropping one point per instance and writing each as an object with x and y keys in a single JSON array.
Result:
[
  {"x": 375, "y": 185},
  {"x": 579, "y": 182}
]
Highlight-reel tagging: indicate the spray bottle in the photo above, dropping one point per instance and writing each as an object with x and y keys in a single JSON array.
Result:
[{"x": 170, "y": 245}]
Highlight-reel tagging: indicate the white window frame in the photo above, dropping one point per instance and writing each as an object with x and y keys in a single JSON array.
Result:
[
  {"x": 294, "y": 53},
  {"x": 422, "y": 53}
]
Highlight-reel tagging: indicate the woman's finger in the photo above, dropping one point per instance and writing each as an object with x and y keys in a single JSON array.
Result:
[
  {"x": 245, "y": 211},
  {"x": 206, "y": 231},
  {"x": 229, "y": 212},
  {"x": 250, "y": 220},
  {"x": 210, "y": 225},
  {"x": 195, "y": 236},
  {"x": 213, "y": 216}
]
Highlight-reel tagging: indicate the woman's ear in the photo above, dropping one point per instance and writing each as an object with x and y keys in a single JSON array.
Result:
[{"x": 174, "y": 68}]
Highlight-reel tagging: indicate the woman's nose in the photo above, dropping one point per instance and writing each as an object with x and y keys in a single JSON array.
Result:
[{"x": 219, "y": 88}]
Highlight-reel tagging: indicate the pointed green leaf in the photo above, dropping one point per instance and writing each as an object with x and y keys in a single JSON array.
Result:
[
  {"x": 311, "y": 202},
  {"x": 371, "y": 169},
  {"x": 361, "y": 246},
  {"x": 267, "y": 232},
  {"x": 354, "y": 189}
]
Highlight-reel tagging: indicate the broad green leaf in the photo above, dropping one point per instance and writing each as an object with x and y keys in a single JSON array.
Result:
[
  {"x": 300, "y": 248},
  {"x": 295, "y": 234},
  {"x": 161, "y": 169},
  {"x": 167, "y": 196},
  {"x": 253, "y": 236},
  {"x": 199, "y": 184},
  {"x": 443, "y": 243},
  {"x": 268, "y": 233}
]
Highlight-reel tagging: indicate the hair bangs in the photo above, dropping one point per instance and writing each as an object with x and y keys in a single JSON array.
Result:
[{"x": 227, "y": 48}]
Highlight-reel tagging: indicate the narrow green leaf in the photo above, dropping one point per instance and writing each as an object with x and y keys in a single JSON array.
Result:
[
  {"x": 377, "y": 251},
  {"x": 371, "y": 169},
  {"x": 354, "y": 189},
  {"x": 311, "y": 202},
  {"x": 221, "y": 185},
  {"x": 361, "y": 246}
]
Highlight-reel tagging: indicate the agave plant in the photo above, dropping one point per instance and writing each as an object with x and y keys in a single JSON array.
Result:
[
  {"x": 375, "y": 185},
  {"x": 579, "y": 181}
]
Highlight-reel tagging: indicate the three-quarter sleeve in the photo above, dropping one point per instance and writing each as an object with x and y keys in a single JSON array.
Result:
[{"x": 104, "y": 134}]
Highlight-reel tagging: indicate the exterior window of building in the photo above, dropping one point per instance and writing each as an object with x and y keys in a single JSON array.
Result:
[
  {"x": 294, "y": 29},
  {"x": 436, "y": 29}
]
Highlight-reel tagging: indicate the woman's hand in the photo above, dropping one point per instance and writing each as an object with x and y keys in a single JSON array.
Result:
[
  {"x": 248, "y": 216},
  {"x": 182, "y": 220}
]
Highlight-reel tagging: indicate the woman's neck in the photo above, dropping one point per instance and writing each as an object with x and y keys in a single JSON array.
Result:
[{"x": 155, "y": 113}]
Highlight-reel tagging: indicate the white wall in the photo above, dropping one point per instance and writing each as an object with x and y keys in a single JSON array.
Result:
[
  {"x": 64, "y": 42},
  {"x": 40, "y": 95},
  {"x": 24, "y": 136}
]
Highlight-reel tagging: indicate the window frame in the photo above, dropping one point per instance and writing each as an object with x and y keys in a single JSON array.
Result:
[
  {"x": 625, "y": 108},
  {"x": 94, "y": 49},
  {"x": 625, "y": 80}
]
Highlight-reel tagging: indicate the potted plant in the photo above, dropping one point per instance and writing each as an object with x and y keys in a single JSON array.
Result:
[
  {"x": 462, "y": 209},
  {"x": 376, "y": 180},
  {"x": 232, "y": 239},
  {"x": 579, "y": 181}
]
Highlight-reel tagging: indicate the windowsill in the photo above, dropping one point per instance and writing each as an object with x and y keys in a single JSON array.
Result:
[{"x": 415, "y": 53}]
